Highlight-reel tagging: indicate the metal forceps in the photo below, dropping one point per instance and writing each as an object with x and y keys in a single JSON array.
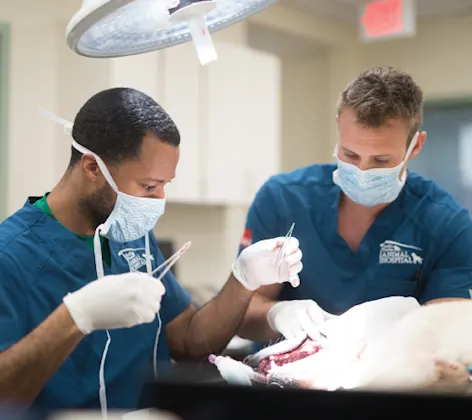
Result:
[
  {"x": 281, "y": 252},
  {"x": 171, "y": 261}
]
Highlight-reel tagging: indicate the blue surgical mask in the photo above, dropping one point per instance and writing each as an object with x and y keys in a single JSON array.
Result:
[
  {"x": 132, "y": 217},
  {"x": 371, "y": 187}
]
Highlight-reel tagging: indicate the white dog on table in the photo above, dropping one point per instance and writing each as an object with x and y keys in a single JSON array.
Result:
[{"x": 387, "y": 344}]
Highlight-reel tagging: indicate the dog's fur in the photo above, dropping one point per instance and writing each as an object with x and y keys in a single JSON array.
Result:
[
  {"x": 429, "y": 348},
  {"x": 391, "y": 344}
]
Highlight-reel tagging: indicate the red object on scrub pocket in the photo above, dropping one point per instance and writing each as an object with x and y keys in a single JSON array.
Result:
[{"x": 246, "y": 240}]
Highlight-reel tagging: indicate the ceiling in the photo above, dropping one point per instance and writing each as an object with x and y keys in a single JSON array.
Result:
[
  {"x": 346, "y": 11},
  {"x": 280, "y": 43}
]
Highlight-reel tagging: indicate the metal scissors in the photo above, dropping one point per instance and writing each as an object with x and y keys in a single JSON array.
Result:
[
  {"x": 281, "y": 252},
  {"x": 171, "y": 261}
]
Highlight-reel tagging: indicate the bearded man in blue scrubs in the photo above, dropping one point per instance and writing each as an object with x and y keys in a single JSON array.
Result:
[
  {"x": 78, "y": 324},
  {"x": 367, "y": 228}
]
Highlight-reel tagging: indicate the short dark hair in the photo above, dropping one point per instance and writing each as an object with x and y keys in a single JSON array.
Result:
[
  {"x": 380, "y": 94},
  {"x": 113, "y": 122}
]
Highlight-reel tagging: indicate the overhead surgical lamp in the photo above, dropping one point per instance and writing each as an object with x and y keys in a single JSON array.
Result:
[{"x": 116, "y": 28}]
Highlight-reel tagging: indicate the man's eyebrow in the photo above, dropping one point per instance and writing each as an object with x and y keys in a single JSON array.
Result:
[
  {"x": 348, "y": 151},
  {"x": 156, "y": 179},
  {"x": 385, "y": 155}
]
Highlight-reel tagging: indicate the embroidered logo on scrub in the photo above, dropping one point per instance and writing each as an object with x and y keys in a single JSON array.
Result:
[
  {"x": 392, "y": 252},
  {"x": 136, "y": 257}
]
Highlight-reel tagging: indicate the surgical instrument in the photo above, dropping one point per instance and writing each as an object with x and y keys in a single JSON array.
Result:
[
  {"x": 281, "y": 252},
  {"x": 171, "y": 260}
]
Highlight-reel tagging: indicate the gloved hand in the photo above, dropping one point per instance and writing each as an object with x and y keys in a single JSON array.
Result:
[
  {"x": 115, "y": 301},
  {"x": 232, "y": 371},
  {"x": 255, "y": 265},
  {"x": 295, "y": 318}
]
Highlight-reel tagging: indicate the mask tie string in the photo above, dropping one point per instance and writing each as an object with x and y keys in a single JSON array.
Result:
[
  {"x": 148, "y": 255},
  {"x": 68, "y": 130},
  {"x": 66, "y": 124},
  {"x": 102, "y": 394}
]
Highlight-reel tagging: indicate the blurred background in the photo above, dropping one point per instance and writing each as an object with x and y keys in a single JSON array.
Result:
[{"x": 267, "y": 105}]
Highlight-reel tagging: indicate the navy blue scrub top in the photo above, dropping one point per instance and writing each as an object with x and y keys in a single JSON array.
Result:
[
  {"x": 420, "y": 245},
  {"x": 40, "y": 262}
]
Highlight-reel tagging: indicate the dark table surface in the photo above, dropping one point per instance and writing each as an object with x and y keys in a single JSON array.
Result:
[{"x": 211, "y": 401}]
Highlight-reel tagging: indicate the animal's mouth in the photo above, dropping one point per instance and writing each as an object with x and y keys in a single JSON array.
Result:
[
  {"x": 277, "y": 364},
  {"x": 282, "y": 355}
]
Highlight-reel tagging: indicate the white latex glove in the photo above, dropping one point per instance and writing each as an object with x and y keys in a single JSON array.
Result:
[
  {"x": 146, "y": 414},
  {"x": 295, "y": 318},
  {"x": 115, "y": 301},
  {"x": 255, "y": 265},
  {"x": 234, "y": 372}
]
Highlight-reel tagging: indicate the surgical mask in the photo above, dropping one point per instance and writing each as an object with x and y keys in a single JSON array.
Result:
[
  {"x": 132, "y": 217},
  {"x": 371, "y": 187}
]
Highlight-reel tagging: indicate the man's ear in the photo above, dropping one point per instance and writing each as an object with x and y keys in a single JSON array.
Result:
[
  {"x": 419, "y": 144},
  {"x": 90, "y": 168}
]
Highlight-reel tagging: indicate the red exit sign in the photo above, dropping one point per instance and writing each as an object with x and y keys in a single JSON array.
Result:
[{"x": 387, "y": 19}]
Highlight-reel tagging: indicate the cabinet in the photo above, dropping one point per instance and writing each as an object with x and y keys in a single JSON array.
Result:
[
  {"x": 181, "y": 99},
  {"x": 242, "y": 138},
  {"x": 228, "y": 115},
  {"x": 171, "y": 77},
  {"x": 142, "y": 72}
]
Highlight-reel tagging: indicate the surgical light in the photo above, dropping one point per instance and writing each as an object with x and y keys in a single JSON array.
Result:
[{"x": 116, "y": 28}]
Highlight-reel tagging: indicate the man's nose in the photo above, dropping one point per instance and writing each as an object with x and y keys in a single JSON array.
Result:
[
  {"x": 159, "y": 193},
  {"x": 365, "y": 164}
]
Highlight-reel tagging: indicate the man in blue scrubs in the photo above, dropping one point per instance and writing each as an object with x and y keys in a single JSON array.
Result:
[
  {"x": 367, "y": 228},
  {"x": 70, "y": 340}
]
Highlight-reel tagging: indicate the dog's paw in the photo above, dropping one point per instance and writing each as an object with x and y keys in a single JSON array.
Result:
[{"x": 450, "y": 376}]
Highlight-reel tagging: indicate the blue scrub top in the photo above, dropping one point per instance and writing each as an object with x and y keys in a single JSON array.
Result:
[
  {"x": 420, "y": 245},
  {"x": 40, "y": 262}
]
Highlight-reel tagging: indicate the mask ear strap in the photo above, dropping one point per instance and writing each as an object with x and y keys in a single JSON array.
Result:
[
  {"x": 68, "y": 130},
  {"x": 411, "y": 146},
  {"x": 408, "y": 153},
  {"x": 335, "y": 151},
  {"x": 99, "y": 161}
]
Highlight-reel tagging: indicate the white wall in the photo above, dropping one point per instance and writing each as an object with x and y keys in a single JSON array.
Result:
[
  {"x": 439, "y": 57},
  {"x": 305, "y": 113},
  {"x": 32, "y": 141},
  {"x": 33, "y": 72},
  {"x": 44, "y": 72}
]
